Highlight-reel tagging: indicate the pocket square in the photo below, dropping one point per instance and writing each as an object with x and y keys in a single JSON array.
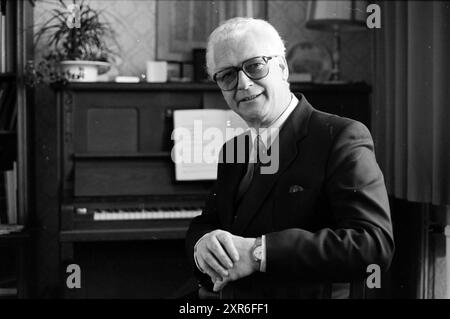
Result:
[{"x": 295, "y": 189}]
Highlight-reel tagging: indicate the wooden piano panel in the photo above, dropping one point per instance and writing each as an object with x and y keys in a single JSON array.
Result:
[
  {"x": 126, "y": 121},
  {"x": 131, "y": 177},
  {"x": 112, "y": 130}
]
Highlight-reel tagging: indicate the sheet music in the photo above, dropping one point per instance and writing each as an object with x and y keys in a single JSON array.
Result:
[{"x": 198, "y": 137}]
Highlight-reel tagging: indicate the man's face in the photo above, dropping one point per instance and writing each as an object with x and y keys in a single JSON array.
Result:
[{"x": 271, "y": 92}]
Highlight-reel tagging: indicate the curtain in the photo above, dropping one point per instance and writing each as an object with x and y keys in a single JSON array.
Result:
[{"x": 412, "y": 101}]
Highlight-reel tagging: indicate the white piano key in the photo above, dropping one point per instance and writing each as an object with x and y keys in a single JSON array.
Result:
[
  {"x": 145, "y": 214},
  {"x": 81, "y": 211}
]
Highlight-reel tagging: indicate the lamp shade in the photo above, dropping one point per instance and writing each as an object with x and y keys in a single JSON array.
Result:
[{"x": 343, "y": 15}]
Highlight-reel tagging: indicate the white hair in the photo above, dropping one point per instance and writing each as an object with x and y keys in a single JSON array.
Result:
[{"x": 237, "y": 27}]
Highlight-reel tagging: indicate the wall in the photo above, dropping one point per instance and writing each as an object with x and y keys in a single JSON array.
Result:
[
  {"x": 289, "y": 18},
  {"x": 135, "y": 23}
]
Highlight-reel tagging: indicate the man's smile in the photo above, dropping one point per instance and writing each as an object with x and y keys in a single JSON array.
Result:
[{"x": 249, "y": 98}]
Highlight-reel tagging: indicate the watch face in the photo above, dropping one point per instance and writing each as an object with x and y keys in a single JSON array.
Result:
[{"x": 257, "y": 253}]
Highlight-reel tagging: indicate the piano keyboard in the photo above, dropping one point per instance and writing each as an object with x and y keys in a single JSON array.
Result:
[{"x": 141, "y": 214}]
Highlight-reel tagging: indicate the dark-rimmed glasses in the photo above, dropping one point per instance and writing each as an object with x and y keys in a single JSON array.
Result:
[{"x": 255, "y": 68}]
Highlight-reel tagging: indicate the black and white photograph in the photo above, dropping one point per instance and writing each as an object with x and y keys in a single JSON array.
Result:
[{"x": 224, "y": 154}]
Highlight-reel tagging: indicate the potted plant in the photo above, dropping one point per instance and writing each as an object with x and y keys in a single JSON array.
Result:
[{"x": 77, "y": 42}]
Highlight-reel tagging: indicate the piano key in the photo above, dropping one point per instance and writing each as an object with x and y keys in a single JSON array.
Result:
[
  {"x": 81, "y": 211},
  {"x": 140, "y": 213}
]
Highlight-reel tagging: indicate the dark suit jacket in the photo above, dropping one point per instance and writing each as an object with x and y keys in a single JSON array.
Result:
[{"x": 325, "y": 213}]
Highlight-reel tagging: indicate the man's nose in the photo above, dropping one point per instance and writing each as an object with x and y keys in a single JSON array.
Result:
[{"x": 244, "y": 82}]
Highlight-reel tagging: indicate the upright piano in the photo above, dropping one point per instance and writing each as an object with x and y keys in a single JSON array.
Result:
[
  {"x": 118, "y": 176},
  {"x": 117, "y": 179}
]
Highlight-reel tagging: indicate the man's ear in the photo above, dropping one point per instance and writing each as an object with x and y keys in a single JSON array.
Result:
[{"x": 284, "y": 68}]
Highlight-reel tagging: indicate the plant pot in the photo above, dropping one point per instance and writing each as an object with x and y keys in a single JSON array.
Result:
[{"x": 83, "y": 71}]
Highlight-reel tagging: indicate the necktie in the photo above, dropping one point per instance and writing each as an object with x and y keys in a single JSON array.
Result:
[{"x": 247, "y": 179}]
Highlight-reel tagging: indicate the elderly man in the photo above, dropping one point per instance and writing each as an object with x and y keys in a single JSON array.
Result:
[{"x": 315, "y": 223}]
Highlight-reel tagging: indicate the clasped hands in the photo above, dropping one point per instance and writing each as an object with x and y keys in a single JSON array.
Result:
[{"x": 225, "y": 257}]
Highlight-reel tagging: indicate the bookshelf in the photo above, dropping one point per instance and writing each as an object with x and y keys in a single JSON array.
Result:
[{"x": 16, "y": 35}]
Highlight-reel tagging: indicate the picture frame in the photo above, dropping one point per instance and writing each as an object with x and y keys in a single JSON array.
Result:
[
  {"x": 183, "y": 25},
  {"x": 188, "y": 71},
  {"x": 309, "y": 62},
  {"x": 174, "y": 70}
]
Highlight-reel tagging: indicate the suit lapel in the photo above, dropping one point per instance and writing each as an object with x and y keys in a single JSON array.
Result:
[
  {"x": 232, "y": 175},
  {"x": 294, "y": 129}
]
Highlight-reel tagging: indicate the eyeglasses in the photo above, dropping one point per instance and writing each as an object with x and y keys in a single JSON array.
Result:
[{"x": 255, "y": 68}]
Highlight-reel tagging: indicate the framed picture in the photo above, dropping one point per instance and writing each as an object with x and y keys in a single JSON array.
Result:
[
  {"x": 183, "y": 25},
  {"x": 173, "y": 71},
  {"x": 309, "y": 62},
  {"x": 188, "y": 71}
]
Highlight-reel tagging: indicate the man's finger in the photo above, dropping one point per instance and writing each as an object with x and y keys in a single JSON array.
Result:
[
  {"x": 212, "y": 274},
  {"x": 220, "y": 253},
  {"x": 227, "y": 242},
  {"x": 219, "y": 284},
  {"x": 215, "y": 265}
]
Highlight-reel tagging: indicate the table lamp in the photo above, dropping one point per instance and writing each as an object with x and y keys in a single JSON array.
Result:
[{"x": 336, "y": 17}]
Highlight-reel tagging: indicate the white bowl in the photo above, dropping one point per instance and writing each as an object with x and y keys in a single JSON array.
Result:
[{"x": 83, "y": 71}]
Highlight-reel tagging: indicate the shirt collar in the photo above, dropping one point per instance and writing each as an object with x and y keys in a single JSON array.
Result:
[{"x": 268, "y": 134}]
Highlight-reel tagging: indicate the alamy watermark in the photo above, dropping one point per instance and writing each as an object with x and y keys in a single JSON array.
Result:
[
  {"x": 373, "y": 20},
  {"x": 202, "y": 145},
  {"x": 373, "y": 280},
  {"x": 74, "y": 278}
]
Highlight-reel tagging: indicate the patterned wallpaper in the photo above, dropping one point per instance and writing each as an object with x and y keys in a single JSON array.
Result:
[
  {"x": 135, "y": 24},
  {"x": 289, "y": 18}
]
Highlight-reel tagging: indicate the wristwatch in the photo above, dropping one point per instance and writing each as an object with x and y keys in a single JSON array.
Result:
[{"x": 257, "y": 250}]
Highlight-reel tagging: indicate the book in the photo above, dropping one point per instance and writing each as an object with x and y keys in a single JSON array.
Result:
[
  {"x": 9, "y": 228},
  {"x": 7, "y": 99},
  {"x": 11, "y": 124},
  {"x": 3, "y": 216},
  {"x": 8, "y": 149},
  {"x": 11, "y": 194},
  {"x": 3, "y": 36},
  {"x": 8, "y": 292},
  {"x": 3, "y": 93},
  {"x": 198, "y": 136},
  {"x": 10, "y": 36},
  {"x": 7, "y": 106}
]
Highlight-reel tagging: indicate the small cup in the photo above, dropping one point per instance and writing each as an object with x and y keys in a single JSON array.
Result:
[{"x": 157, "y": 71}]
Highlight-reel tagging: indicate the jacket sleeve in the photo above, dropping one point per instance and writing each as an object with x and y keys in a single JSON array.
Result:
[
  {"x": 362, "y": 233},
  {"x": 200, "y": 225}
]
